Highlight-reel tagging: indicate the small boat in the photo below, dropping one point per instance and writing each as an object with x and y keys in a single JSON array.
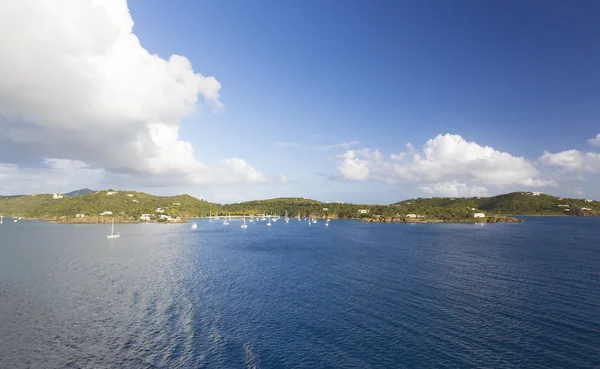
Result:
[
  {"x": 194, "y": 225},
  {"x": 210, "y": 215},
  {"x": 1, "y": 219},
  {"x": 244, "y": 225},
  {"x": 112, "y": 232},
  {"x": 269, "y": 223}
]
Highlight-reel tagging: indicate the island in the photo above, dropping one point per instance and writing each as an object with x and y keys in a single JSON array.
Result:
[{"x": 105, "y": 206}]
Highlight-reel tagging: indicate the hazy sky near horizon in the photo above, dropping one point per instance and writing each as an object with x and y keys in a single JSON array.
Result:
[{"x": 369, "y": 102}]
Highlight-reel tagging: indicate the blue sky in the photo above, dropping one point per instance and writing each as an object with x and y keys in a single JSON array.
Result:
[{"x": 519, "y": 77}]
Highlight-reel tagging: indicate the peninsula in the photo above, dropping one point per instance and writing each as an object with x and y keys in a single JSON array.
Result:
[{"x": 86, "y": 206}]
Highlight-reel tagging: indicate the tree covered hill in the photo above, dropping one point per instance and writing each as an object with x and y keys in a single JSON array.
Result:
[
  {"x": 83, "y": 191},
  {"x": 294, "y": 206},
  {"x": 130, "y": 204},
  {"x": 515, "y": 203},
  {"x": 134, "y": 204}
]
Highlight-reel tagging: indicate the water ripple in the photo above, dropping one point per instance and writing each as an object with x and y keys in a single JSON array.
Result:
[{"x": 352, "y": 295}]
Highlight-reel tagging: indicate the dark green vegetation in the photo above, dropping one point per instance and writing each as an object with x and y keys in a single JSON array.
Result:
[
  {"x": 515, "y": 203},
  {"x": 121, "y": 204},
  {"x": 131, "y": 205}
]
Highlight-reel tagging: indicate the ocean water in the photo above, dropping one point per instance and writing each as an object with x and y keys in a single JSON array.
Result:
[{"x": 352, "y": 295}]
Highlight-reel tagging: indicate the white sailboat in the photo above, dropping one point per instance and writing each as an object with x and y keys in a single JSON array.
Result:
[
  {"x": 327, "y": 223},
  {"x": 194, "y": 225},
  {"x": 210, "y": 215},
  {"x": 112, "y": 232},
  {"x": 1, "y": 219},
  {"x": 287, "y": 220},
  {"x": 244, "y": 225},
  {"x": 269, "y": 223}
]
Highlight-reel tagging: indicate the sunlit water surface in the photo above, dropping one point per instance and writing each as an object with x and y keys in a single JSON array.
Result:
[{"x": 352, "y": 295}]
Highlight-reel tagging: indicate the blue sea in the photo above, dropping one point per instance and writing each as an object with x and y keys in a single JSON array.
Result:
[{"x": 351, "y": 295}]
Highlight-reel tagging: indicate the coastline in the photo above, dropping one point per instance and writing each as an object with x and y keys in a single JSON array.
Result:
[
  {"x": 456, "y": 221},
  {"x": 107, "y": 220}
]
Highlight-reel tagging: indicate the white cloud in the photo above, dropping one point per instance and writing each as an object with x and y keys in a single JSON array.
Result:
[
  {"x": 454, "y": 189},
  {"x": 353, "y": 168},
  {"x": 444, "y": 159},
  {"x": 343, "y": 145},
  {"x": 595, "y": 141},
  {"x": 76, "y": 84},
  {"x": 57, "y": 175},
  {"x": 288, "y": 144},
  {"x": 572, "y": 160}
]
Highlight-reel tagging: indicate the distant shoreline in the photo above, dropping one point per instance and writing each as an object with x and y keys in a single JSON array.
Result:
[{"x": 491, "y": 219}]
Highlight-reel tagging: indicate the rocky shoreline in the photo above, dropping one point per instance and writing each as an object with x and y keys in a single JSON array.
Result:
[
  {"x": 106, "y": 220},
  {"x": 426, "y": 220}
]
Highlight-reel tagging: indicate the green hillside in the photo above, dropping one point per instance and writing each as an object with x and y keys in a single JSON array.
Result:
[
  {"x": 294, "y": 206},
  {"x": 516, "y": 203},
  {"x": 131, "y": 205}
]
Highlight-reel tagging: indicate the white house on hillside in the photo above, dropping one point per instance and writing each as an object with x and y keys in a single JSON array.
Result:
[
  {"x": 129, "y": 195},
  {"x": 479, "y": 215},
  {"x": 106, "y": 213},
  {"x": 145, "y": 217},
  {"x": 159, "y": 210},
  {"x": 536, "y": 193},
  {"x": 587, "y": 200},
  {"x": 363, "y": 211},
  {"x": 79, "y": 215},
  {"x": 411, "y": 215},
  {"x": 110, "y": 193},
  {"x": 57, "y": 196},
  {"x": 586, "y": 209}
]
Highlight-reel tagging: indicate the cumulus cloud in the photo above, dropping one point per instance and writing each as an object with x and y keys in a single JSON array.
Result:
[
  {"x": 443, "y": 160},
  {"x": 595, "y": 141},
  {"x": 343, "y": 145},
  {"x": 454, "y": 189},
  {"x": 572, "y": 160},
  {"x": 56, "y": 175},
  {"x": 76, "y": 84}
]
